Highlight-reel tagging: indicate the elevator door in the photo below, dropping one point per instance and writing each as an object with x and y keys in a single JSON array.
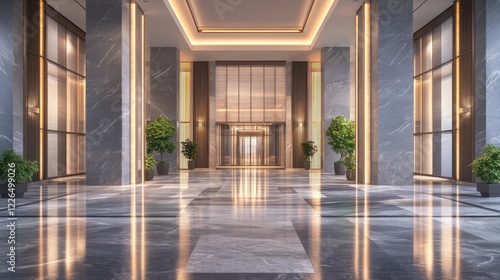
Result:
[{"x": 250, "y": 149}]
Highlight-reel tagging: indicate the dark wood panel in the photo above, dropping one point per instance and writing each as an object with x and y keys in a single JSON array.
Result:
[
  {"x": 201, "y": 107},
  {"x": 32, "y": 100},
  {"x": 466, "y": 25},
  {"x": 32, "y": 25},
  {"x": 299, "y": 110},
  {"x": 466, "y": 118}
]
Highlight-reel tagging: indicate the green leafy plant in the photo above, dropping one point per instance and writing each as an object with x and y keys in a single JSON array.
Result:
[
  {"x": 308, "y": 149},
  {"x": 487, "y": 166},
  {"x": 341, "y": 136},
  {"x": 350, "y": 161},
  {"x": 189, "y": 149},
  {"x": 159, "y": 135},
  {"x": 149, "y": 162},
  {"x": 22, "y": 169}
]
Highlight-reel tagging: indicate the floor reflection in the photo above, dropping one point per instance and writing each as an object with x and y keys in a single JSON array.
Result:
[{"x": 250, "y": 223}]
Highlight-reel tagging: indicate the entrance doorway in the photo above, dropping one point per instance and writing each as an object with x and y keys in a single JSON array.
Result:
[{"x": 250, "y": 149}]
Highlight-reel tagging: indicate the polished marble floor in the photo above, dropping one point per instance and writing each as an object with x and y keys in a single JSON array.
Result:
[{"x": 253, "y": 224}]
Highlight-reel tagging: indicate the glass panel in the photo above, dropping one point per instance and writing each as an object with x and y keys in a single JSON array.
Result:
[
  {"x": 184, "y": 133},
  {"x": 220, "y": 93},
  {"x": 56, "y": 93},
  {"x": 418, "y": 104},
  {"x": 72, "y": 102},
  {"x": 81, "y": 57},
  {"x": 417, "y": 67},
  {"x": 81, "y": 105},
  {"x": 257, "y": 93},
  {"x": 427, "y": 112},
  {"x": 316, "y": 113},
  {"x": 280, "y": 93},
  {"x": 245, "y": 100},
  {"x": 427, "y": 52},
  {"x": 56, "y": 42},
  {"x": 71, "y": 51},
  {"x": 232, "y": 93},
  {"x": 56, "y": 152},
  {"x": 269, "y": 84}
]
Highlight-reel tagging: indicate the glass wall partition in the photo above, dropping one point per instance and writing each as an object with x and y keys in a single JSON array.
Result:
[
  {"x": 250, "y": 113},
  {"x": 433, "y": 89},
  {"x": 65, "y": 96}
]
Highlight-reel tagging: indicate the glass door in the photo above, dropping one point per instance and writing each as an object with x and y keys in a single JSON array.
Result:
[{"x": 250, "y": 149}]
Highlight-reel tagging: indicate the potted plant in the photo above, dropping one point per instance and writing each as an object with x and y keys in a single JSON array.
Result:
[
  {"x": 487, "y": 168},
  {"x": 16, "y": 172},
  {"x": 308, "y": 151},
  {"x": 149, "y": 165},
  {"x": 159, "y": 135},
  {"x": 341, "y": 138},
  {"x": 350, "y": 165},
  {"x": 189, "y": 151}
]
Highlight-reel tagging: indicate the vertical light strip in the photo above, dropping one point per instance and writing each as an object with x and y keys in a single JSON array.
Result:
[
  {"x": 367, "y": 84},
  {"x": 356, "y": 97},
  {"x": 143, "y": 114},
  {"x": 42, "y": 90},
  {"x": 133, "y": 92},
  {"x": 457, "y": 90}
]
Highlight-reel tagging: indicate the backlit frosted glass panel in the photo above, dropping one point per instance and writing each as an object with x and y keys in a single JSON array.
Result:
[
  {"x": 427, "y": 106},
  {"x": 280, "y": 94},
  {"x": 184, "y": 131},
  {"x": 257, "y": 93},
  {"x": 244, "y": 94},
  {"x": 56, "y": 42},
  {"x": 220, "y": 93},
  {"x": 269, "y": 90},
  {"x": 72, "y": 52},
  {"x": 56, "y": 94},
  {"x": 232, "y": 93},
  {"x": 316, "y": 112},
  {"x": 427, "y": 52}
]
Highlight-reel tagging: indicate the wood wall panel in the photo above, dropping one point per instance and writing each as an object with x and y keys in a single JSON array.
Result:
[
  {"x": 299, "y": 110},
  {"x": 201, "y": 112}
]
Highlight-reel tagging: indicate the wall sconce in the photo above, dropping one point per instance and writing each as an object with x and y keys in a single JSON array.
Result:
[
  {"x": 464, "y": 110},
  {"x": 35, "y": 110},
  {"x": 200, "y": 124},
  {"x": 300, "y": 124}
]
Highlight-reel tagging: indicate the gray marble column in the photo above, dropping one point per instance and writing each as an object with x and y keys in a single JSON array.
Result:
[
  {"x": 11, "y": 75},
  {"x": 108, "y": 92},
  {"x": 391, "y": 92},
  {"x": 336, "y": 86},
  {"x": 487, "y": 71},
  {"x": 164, "y": 90}
]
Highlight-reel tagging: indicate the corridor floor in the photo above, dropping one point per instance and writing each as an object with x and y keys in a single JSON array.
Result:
[{"x": 253, "y": 224}]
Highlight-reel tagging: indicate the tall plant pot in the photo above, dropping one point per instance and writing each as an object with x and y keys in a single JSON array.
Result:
[
  {"x": 488, "y": 190},
  {"x": 149, "y": 175},
  {"x": 350, "y": 175},
  {"x": 307, "y": 164},
  {"x": 20, "y": 189},
  {"x": 339, "y": 168},
  {"x": 162, "y": 168},
  {"x": 191, "y": 164}
]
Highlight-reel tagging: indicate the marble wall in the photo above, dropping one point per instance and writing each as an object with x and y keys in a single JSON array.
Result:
[
  {"x": 108, "y": 92},
  {"x": 11, "y": 75},
  {"x": 288, "y": 123},
  {"x": 336, "y": 86},
  {"x": 164, "y": 90},
  {"x": 487, "y": 71}
]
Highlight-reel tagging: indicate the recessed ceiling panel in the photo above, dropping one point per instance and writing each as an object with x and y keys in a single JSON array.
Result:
[{"x": 250, "y": 16}]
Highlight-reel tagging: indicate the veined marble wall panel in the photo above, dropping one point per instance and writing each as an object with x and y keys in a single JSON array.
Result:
[
  {"x": 392, "y": 110},
  {"x": 107, "y": 93},
  {"x": 164, "y": 88},
  {"x": 487, "y": 71},
  {"x": 288, "y": 132},
  {"x": 335, "y": 62},
  {"x": 11, "y": 76},
  {"x": 212, "y": 156}
]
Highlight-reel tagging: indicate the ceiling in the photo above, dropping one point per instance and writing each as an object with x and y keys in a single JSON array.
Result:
[{"x": 251, "y": 29}]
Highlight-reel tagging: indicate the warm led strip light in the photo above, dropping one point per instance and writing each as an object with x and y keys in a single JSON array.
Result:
[
  {"x": 457, "y": 90},
  {"x": 257, "y": 30},
  {"x": 133, "y": 92},
  {"x": 367, "y": 84},
  {"x": 356, "y": 97},
  {"x": 42, "y": 89},
  {"x": 143, "y": 113}
]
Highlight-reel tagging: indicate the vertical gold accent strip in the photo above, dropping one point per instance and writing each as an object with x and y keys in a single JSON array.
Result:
[
  {"x": 42, "y": 89},
  {"x": 133, "y": 92},
  {"x": 143, "y": 100},
  {"x": 457, "y": 90},
  {"x": 356, "y": 97},
  {"x": 367, "y": 95}
]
